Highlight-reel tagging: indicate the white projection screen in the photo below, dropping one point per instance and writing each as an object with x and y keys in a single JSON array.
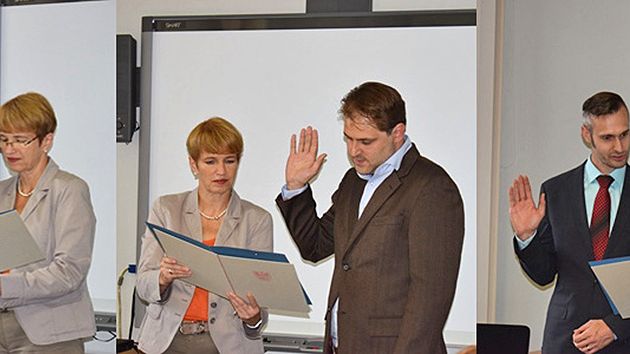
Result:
[
  {"x": 66, "y": 51},
  {"x": 270, "y": 76}
]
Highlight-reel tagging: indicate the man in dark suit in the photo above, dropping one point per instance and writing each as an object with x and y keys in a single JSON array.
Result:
[
  {"x": 396, "y": 227},
  {"x": 583, "y": 215}
]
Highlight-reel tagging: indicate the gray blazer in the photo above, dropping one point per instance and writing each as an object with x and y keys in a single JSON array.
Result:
[
  {"x": 245, "y": 226},
  {"x": 50, "y": 298}
]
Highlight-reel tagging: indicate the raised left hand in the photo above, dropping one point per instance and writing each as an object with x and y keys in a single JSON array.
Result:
[
  {"x": 592, "y": 336},
  {"x": 248, "y": 311}
]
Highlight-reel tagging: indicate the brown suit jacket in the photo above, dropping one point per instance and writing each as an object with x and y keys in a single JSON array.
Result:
[{"x": 396, "y": 266}]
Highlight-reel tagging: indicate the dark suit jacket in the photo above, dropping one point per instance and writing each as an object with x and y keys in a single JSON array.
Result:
[
  {"x": 562, "y": 246},
  {"x": 396, "y": 266}
]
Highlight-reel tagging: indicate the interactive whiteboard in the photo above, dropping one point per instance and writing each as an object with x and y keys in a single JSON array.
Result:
[{"x": 272, "y": 76}]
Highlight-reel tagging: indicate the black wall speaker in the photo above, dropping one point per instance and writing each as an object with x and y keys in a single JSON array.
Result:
[{"x": 126, "y": 88}]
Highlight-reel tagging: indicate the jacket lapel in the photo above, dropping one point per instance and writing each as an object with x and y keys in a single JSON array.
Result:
[
  {"x": 349, "y": 208},
  {"x": 41, "y": 189},
  {"x": 231, "y": 220},
  {"x": 191, "y": 215},
  {"x": 381, "y": 195},
  {"x": 7, "y": 194},
  {"x": 621, "y": 220},
  {"x": 576, "y": 186},
  {"x": 385, "y": 191}
]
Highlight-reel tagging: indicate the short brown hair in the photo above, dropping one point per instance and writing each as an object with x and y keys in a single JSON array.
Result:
[
  {"x": 601, "y": 104},
  {"x": 215, "y": 136},
  {"x": 376, "y": 101},
  {"x": 28, "y": 112}
]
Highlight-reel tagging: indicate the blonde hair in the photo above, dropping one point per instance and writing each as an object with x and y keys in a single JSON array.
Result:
[
  {"x": 215, "y": 136},
  {"x": 28, "y": 112}
]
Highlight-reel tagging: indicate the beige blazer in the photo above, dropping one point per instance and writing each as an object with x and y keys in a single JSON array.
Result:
[
  {"x": 245, "y": 226},
  {"x": 50, "y": 298}
]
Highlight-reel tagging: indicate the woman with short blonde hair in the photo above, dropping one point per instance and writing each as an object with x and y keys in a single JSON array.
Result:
[
  {"x": 181, "y": 318},
  {"x": 45, "y": 306}
]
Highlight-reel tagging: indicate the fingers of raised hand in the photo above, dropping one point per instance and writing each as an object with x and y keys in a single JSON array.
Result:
[
  {"x": 520, "y": 191},
  {"x": 308, "y": 139},
  {"x": 520, "y": 186},
  {"x": 515, "y": 196},
  {"x": 292, "y": 145},
  {"x": 300, "y": 145},
  {"x": 528, "y": 187},
  {"x": 314, "y": 142},
  {"x": 512, "y": 195}
]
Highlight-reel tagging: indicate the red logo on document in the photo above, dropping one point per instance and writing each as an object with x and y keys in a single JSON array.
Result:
[{"x": 264, "y": 276}]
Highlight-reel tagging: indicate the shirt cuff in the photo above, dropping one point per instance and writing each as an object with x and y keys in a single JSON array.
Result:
[
  {"x": 254, "y": 326},
  {"x": 522, "y": 244},
  {"x": 290, "y": 193}
]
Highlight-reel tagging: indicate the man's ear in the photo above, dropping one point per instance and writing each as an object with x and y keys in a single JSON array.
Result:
[
  {"x": 399, "y": 133},
  {"x": 587, "y": 137}
]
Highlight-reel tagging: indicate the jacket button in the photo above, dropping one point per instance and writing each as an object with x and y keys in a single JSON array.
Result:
[
  {"x": 212, "y": 320},
  {"x": 213, "y": 305},
  {"x": 346, "y": 267}
]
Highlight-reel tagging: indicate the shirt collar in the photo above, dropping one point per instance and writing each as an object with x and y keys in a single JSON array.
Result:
[
  {"x": 391, "y": 164},
  {"x": 591, "y": 173}
]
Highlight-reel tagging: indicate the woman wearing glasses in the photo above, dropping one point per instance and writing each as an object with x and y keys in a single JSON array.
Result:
[
  {"x": 181, "y": 318},
  {"x": 45, "y": 306}
]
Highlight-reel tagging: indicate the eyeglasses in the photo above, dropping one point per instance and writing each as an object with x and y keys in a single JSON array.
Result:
[{"x": 19, "y": 142}]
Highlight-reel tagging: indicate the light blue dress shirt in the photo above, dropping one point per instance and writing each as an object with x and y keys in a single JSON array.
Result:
[{"x": 373, "y": 181}]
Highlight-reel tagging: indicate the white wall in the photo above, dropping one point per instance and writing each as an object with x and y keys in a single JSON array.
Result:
[
  {"x": 556, "y": 54},
  {"x": 66, "y": 52}
]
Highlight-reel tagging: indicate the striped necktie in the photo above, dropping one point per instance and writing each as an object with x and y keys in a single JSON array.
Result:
[{"x": 600, "y": 221}]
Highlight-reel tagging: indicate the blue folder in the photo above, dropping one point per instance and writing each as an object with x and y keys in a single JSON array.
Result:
[
  {"x": 609, "y": 261},
  {"x": 229, "y": 251}
]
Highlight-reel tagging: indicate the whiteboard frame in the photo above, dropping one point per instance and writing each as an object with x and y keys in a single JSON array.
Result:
[{"x": 153, "y": 24}]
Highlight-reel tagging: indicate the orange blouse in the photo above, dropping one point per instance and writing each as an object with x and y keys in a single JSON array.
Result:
[{"x": 198, "y": 308}]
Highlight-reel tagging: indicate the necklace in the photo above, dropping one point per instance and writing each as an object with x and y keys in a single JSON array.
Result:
[
  {"x": 25, "y": 195},
  {"x": 209, "y": 217}
]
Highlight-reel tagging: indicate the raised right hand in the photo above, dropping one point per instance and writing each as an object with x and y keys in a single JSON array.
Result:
[
  {"x": 524, "y": 215},
  {"x": 171, "y": 270},
  {"x": 303, "y": 163}
]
